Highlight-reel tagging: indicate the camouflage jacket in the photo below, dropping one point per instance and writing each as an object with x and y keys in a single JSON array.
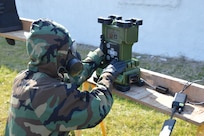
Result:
[{"x": 43, "y": 105}]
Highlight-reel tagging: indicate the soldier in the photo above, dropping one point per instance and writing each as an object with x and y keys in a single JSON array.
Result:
[{"x": 45, "y": 100}]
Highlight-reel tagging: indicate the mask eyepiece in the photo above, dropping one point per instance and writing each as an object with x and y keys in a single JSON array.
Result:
[{"x": 74, "y": 66}]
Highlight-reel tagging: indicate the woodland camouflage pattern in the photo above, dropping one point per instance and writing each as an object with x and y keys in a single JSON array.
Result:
[{"x": 42, "y": 104}]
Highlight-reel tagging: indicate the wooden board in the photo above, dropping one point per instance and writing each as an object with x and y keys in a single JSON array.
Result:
[
  {"x": 161, "y": 102},
  {"x": 16, "y": 35},
  {"x": 195, "y": 92},
  {"x": 21, "y": 34},
  {"x": 26, "y": 23}
]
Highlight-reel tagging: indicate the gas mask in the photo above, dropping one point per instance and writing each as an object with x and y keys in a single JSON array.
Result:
[{"x": 73, "y": 65}]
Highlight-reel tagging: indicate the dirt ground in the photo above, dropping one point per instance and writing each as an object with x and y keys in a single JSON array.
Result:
[{"x": 179, "y": 67}]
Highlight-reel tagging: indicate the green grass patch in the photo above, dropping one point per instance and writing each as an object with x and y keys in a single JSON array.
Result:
[
  {"x": 6, "y": 79},
  {"x": 126, "y": 118}
]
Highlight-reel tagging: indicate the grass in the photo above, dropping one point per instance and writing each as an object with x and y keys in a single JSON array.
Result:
[{"x": 126, "y": 118}]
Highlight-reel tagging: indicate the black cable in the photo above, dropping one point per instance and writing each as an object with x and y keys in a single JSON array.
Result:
[
  {"x": 188, "y": 84},
  {"x": 196, "y": 103},
  {"x": 173, "y": 112}
]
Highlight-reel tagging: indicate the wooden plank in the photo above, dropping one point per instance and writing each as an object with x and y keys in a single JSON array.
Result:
[
  {"x": 161, "y": 102},
  {"x": 16, "y": 35},
  {"x": 195, "y": 92},
  {"x": 26, "y": 23},
  {"x": 20, "y": 34}
]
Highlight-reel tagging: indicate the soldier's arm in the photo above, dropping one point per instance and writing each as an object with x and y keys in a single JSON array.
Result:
[
  {"x": 90, "y": 64},
  {"x": 65, "y": 108}
]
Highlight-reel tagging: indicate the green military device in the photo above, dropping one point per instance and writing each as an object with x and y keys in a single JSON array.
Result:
[{"x": 117, "y": 39}]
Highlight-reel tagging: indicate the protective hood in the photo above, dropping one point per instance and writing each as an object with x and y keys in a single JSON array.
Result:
[{"x": 47, "y": 46}]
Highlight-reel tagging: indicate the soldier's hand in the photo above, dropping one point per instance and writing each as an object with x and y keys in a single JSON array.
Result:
[
  {"x": 115, "y": 67},
  {"x": 2, "y": 7}
]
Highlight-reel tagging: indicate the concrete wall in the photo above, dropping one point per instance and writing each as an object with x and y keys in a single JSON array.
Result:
[{"x": 170, "y": 27}]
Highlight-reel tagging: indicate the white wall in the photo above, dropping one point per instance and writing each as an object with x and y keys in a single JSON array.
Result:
[{"x": 170, "y": 27}]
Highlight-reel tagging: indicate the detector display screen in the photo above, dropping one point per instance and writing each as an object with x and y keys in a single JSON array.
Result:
[{"x": 113, "y": 34}]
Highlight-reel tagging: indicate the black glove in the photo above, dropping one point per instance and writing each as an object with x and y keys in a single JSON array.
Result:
[
  {"x": 103, "y": 45},
  {"x": 1, "y": 8},
  {"x": 115, "y": 68}
]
